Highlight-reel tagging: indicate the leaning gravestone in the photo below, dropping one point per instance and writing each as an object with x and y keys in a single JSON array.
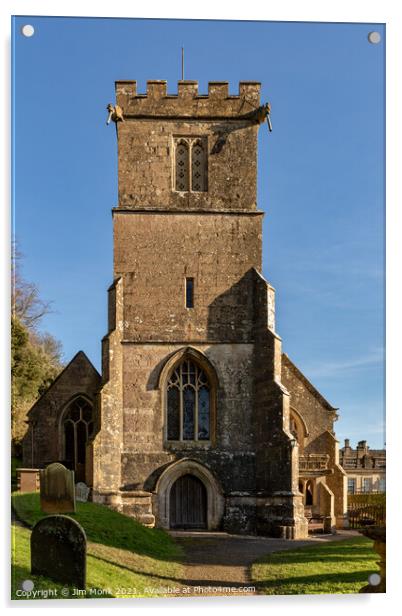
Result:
[
  {"x": 58, "y": 550},
  {"x": 81, "y": 492},
  {"x": 57, "y": 490}
]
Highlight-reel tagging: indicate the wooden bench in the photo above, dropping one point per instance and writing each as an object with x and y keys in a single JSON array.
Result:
[{"x": 315, "y": 522}]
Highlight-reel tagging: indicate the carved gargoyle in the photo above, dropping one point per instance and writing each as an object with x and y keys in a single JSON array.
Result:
[
  {"x": 115, "y": 113},
  {"x": 262, "y": 114}
]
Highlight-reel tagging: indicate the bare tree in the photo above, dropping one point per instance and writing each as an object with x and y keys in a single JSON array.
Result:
[{"x": 26, "y": 305}]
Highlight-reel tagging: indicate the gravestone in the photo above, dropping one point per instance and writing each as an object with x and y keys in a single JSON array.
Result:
[
  {"x": 81, "y": 492},
  {"x": 57, "y": 490},
  {"x": 58, "y": 550}
]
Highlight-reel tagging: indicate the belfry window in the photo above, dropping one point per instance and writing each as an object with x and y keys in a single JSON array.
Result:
[
  {"x": 198, "y": 166},
  {"x": 190, "y": 164},
  {"x": 188, "y": 403},
  {"x": 182, "y": 166}
]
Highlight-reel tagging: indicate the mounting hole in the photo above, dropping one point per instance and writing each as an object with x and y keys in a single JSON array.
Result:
[
  {"x": 374, "y": 37},
  {"x": 28, "y": 30},
  {"x": 374, "y": 579}
]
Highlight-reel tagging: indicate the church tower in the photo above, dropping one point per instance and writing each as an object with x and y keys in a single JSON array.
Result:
[{"x": 193, "y": 419}]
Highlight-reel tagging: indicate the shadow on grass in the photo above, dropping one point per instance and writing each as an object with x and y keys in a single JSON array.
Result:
[
  {"x": 296, "y": 559},
  {"x": 141, "y": 572},
  {"x": 356, "y": 549},
  {"x": 326, "y": 581},
  {"x": 180, "y": 581},
  {"x": 105, "y": 526}
]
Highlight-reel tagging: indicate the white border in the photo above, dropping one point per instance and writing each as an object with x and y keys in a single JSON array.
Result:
[{"x": 369, "y": 11}]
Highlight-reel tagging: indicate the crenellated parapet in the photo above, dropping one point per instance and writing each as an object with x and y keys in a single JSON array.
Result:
[{"x": 218, "y": 103}]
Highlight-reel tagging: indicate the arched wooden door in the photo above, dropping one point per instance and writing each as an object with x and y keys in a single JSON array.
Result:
[{"x": 188, "y": 503}]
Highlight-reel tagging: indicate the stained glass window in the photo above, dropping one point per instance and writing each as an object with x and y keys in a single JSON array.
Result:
[
  {"x": 203, "y": 413},
  {"x": 188, "y": 403},
  {"x": 173, "y": 415},
  {"x": 188, "y": 413}
]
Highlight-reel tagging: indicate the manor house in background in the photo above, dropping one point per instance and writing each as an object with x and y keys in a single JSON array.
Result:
[{"x": 364, "y": 467}]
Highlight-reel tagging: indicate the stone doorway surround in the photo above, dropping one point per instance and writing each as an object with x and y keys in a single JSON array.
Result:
[{"x": 187, "y": 466}]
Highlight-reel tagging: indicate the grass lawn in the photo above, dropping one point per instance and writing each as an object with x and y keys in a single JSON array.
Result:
[
  {"x": 333, "y": 567},
  {"x": 123, "y": 557}
]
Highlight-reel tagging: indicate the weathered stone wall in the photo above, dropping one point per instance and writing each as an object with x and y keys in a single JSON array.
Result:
[
  {"x": 326, "y": 505},
  {"x": 153, "y": 120},
  {"x": 107, "y": 445},
  {"x": 231, "y": 452},
  {"x": 337, "y": 480},
  {"x": 154, "y": 253},
  {"x": 318, "y": 414},
  {"x": 78, "y": 378},
  {"x": 279, "y": 511}
]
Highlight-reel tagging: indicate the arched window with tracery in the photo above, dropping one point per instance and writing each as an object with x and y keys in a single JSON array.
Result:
[
  {"x": 78, "y": 427},
  {"x": 188, "y": 403},
  {"x": 182, "y": 165},
  {"x": 190, "y": 164}
]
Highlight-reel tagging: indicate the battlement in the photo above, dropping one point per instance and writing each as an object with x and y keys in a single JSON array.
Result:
[{"x": 188, "y": 102}]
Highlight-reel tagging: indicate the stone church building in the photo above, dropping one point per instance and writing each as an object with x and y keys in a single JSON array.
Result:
[{"x": 198, "y": 419}]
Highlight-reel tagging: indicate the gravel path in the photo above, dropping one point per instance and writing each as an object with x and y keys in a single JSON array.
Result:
[{"x": 219, "y": 559}]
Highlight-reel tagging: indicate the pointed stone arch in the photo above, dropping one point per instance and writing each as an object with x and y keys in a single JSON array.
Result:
[
  {"x": 193, "y": 353},
  {"x": 188, "y": 466},
  {"x": 298, "y": 427}
]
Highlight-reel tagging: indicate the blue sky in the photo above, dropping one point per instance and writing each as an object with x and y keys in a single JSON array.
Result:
[{"x": 321, "y": 179}]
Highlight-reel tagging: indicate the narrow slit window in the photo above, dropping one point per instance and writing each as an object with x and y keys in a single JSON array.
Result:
[{"x": 189, "y": 292}]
